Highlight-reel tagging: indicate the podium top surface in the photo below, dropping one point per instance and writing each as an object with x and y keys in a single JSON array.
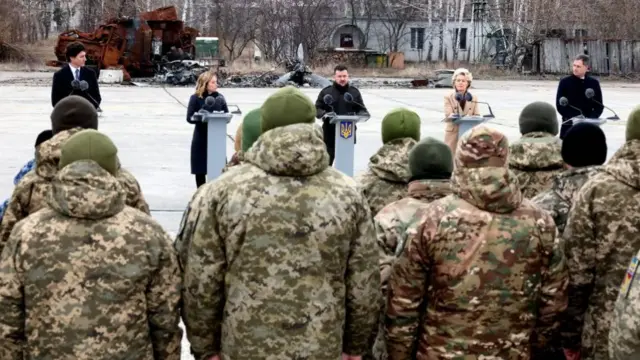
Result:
[
  {"x": 352, "y": 118},
  {"x": 206, "y": 117},
  {"x": 468, "y": 118}
]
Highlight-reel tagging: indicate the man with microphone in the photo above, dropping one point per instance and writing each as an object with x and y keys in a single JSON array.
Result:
[
  {"x": 342, "y": 99},
  {"x": 75, "y": 79},
  {"x": 574, "y": 89}
]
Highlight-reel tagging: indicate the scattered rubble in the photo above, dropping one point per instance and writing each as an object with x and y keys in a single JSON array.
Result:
[{"x": 138, "y": 45}]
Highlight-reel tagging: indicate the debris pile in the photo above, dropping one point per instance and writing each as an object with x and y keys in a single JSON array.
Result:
[
  {"x": 138, "y": 45},
  {"x": 11, "y": 53},
  {"x": 179, "y": 72}
]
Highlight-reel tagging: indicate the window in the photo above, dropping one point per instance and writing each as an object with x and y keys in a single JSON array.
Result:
[
  {"x": 417, "y": 38},
  {"x": 346, "y": 40},
  {"x": 461, "y": 34},
  {"x": 581, "y": 33}
]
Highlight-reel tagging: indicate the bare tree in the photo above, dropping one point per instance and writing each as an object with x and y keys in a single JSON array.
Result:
[
  {"x": 308, "y": 25},
  {"x": 361, "y": 12},
  {"x": 273, "y": 34},
  {"x": 234, "y": 23},
  {"x": 395, "y": 17}
]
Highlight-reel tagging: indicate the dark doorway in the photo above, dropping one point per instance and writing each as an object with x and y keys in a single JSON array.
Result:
[{"x": 346, "y": 40}]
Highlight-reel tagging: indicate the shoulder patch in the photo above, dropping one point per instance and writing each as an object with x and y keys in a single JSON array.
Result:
[{"x": 628, "y": 277}]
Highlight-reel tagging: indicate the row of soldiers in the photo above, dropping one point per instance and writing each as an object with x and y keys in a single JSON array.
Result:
[{"x": 426, "y": 255}]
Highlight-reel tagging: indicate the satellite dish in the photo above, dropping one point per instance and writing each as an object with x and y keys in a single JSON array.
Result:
[{"x": 300, "y": 52}]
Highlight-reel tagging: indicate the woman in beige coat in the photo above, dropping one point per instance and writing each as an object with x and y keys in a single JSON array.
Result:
[{"x": 461, "y": 82}]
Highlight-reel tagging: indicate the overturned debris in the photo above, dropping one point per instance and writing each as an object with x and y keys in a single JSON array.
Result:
[
  {"x": 12, "y": 53},
  {"x": 136, "y": 44}
]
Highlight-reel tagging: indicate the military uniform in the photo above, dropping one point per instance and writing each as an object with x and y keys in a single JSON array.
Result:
[
  {"x": 430, "y": 162},
  {"x": 484, "y": 277},
  {"x": 600, "y": 238},
  {"x": 249, "y": 131},
  {"x": 30, "y": 193},
  {"x": 388, "y": 174},
  {"x": 624, "y": 336},
  {"x": 88, "y": 277},
  {"x": 536, "y": 158},
  {"x": 279, "y": 255}
]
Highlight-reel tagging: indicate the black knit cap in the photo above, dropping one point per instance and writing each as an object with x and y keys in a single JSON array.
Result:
[
  {"x": 430, "y": 159},
  {"x": 584, "y": 145},
  {"x": 538, "y": 116},
  {"x": 44, "y": 136},
  {"x": 72, "y": 112}
]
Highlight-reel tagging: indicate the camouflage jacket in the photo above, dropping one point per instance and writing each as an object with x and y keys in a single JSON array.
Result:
[
  {"x": 486, "y": 267},
  {"x": 280, "y": 260},
  {"x": 388, "y": 175},
  {"x": 600, "y": 237},
  {"x": 31, "y": 192},
  {"x": 624, "y": 335},
  {"x": 236, "y": 159},
  {"x": 558, "y": 200},
  {"x": 393, "y": 224},
  {"x": 89, "y": 277},
  {"x": 536, "y": 159}
]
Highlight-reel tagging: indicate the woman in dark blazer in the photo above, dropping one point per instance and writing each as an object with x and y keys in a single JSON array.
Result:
[{"x": 206, "y": 86}]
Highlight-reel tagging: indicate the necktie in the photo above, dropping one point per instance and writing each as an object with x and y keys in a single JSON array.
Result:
[{"x": 78, "y": 74}]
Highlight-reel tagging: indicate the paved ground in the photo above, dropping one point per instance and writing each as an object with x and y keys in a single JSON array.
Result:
[{"x": 153, "y": 138}]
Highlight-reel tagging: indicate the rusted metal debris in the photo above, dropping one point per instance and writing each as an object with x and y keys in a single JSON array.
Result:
[{"x": 137, "y": 46}]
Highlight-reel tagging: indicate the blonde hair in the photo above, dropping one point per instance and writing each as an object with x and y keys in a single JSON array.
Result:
[
  {"x": 237, "y": 144},
  {"x": 203, "y": 81},
  {"x": 464, "y": 72}
]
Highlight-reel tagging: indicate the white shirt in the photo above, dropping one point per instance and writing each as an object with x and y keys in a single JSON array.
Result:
[{"x": 73, "y": 71}]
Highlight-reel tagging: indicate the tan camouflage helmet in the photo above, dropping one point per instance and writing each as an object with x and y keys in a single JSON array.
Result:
[{"x": 482, "y": 146}]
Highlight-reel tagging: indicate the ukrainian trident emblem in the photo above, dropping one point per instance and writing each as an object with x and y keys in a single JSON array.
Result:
[{"x": 346, "y": 129}]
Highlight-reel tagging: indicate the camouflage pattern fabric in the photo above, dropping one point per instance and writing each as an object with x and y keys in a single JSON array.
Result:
[
  {"x": 624, "y": 336},
  {"x": 536, "y": 159},
  {"x": 280, "y": 257},
  {"x": 484, "y": 277},
  {"x": 600, "y": 237},
  {"x": 557, "y": 201},
  {"x": 393, "y": 224},
  {"x": 388, "y": 175},
  {"x": 23, "y": 171},
  {"x": 89, "y": 278},
  {"x": 236, "y": 159},
  {"x": 30, "y": 193}
]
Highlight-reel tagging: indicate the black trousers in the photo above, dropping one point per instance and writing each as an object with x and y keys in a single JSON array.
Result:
[
  {"x": 565, "y": 127},
  {"x": 201, "y": 179}
]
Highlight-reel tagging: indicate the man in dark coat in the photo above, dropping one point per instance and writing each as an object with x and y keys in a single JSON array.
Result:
[
  {"x": 340, "y": 106},
  {"x": 205, "y": 87},
  {"x": 75, "y": 70},
  {"x": 573, "y": 88}
]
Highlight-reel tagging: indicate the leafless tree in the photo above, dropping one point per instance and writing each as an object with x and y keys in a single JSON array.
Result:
[
  {"x": 308, "y": 25},
  {"x": 273, "y": 33},
  {"x": 361, "y": 12},
  {"x": 233, "y": 21},
  {"x": 395, "y": 18}
]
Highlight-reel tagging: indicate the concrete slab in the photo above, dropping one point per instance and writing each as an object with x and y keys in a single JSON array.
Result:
[{"x": 148, "y": 125}]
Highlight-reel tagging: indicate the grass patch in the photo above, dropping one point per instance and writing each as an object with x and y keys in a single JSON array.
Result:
[{"x": 29, "y": 57}]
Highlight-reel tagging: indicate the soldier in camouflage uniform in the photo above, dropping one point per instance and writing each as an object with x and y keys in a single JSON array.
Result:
[
  {"x": 248, "y": 132},
  {"x": 431, "y": 164},
  {"x": 388, "y": 175},
  {"x": 88, "y": 277},
  {"x": 624, "y": 335},
  {"x": 601, "y": 236},
  {"x": 536, "y": 157},
  {"x": 71, "y": 115},
  {"x": 281, "y": 261},
  {"x": 584, "y": 149},
  {"x": 484, "y": 277}
]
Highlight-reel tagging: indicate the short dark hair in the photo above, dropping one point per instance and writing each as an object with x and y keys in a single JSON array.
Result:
[
  {"x": 584, "y": 58},
  {"x": 74, "y": 49},
  {"x": 339, "y": 68},
  {"x": 44, "y": 136}
]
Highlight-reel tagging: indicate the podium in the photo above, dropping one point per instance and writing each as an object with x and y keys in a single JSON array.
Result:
[
  {"x": 594, "y": 121},
  {"x": 216, "y": 138},
  {"x": 345, "y": 141},
  {"x": 467, "y": 122}
]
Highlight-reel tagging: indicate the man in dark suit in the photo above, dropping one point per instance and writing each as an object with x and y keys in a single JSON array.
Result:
[
  {"x": 75, "y": 70},
  {"x": 340, "y": 106},
  {"x": 573, "y": 88}
]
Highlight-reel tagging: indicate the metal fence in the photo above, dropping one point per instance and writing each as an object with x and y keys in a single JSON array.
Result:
[{"x": 608, "y": 57}]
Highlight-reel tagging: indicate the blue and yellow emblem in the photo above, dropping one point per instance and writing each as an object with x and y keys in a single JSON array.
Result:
[{"x": 346, "y": 129}]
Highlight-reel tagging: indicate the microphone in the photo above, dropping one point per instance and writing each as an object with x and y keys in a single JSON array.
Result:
[
  {"x": 349, "y": 98},
  {"x": 328, "y": 100},
  {"x": 590, "y": 94},
  {"x": 84, "y": 85},
  {"x": 564, "y": 102},
  {"x": 75, "y": 84}
]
